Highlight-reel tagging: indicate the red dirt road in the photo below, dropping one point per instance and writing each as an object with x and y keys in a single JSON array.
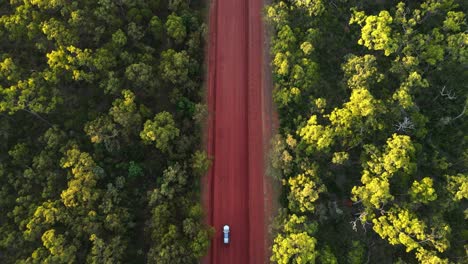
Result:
[{"x": 233, "y": 189}]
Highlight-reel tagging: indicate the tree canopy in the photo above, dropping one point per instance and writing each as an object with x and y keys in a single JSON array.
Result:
[
  {"x": 372, "y": 96},
  {"x": 98, "y": 161}
]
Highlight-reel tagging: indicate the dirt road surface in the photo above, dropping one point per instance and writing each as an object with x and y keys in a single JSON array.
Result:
[{"x": 234, "y": 187}]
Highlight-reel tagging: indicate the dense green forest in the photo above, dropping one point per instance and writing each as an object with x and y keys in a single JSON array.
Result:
[
  {"x": 372, "y": 147},
  {"x": 101, "y": 118},
  {"x": 100, "y": 131}
]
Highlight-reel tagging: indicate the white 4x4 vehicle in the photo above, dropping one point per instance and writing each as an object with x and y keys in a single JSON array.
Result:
[{"x": 226, "y": 234}]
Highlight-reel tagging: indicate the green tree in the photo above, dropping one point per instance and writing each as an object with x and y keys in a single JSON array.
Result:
[
  {"x": 175, "y": 28},
  {"x": 125, "y": 113},
  {"x": 175, "y": 66},
  {"x": 326, "y": 256},
  {"x": 357, "y": 253},
  {"x": 103, "y": 130},
  {"x": 397, "y": 158},
  {"x": 156, "y": 27},
  {"x": 362, "y": 72},
  {"x": 400, "y": 226},
  {"x": 141, "y": 75},
  {"x": 423, "y": 191},
  {"x": 200, "y": 162},
  {"x": 458, "y": 186},
  {"x": 376, "y": 31},
  {"x": 295, "y": 248},
  {"x": 304, "y": 191},
  {"x": 86, "y": 173},
  {"x": 59, "y": 251},
  {"x": 161, "y": 131},
  {"x": 295, "y": 243}
]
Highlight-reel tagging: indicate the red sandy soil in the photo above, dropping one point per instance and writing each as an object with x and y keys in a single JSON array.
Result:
[{"x": 234, "y": 192}]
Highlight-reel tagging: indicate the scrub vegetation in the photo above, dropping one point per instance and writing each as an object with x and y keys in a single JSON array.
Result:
[
  {"x": 372, "y": 144},
  {"x": 100, "y": 128}
]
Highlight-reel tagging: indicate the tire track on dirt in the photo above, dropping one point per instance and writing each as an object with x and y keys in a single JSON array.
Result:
[{"x": 233, "y": 190}]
